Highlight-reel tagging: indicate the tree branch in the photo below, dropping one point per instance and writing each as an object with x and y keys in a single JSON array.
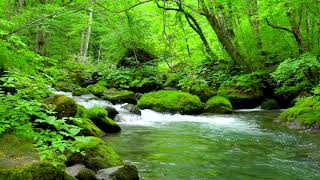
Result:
[
  {"x": 278, "y": 27},
  {"x": 126, "y": 9}
]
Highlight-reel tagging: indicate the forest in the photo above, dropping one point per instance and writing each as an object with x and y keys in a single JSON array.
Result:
[{"x": 159, "y": 89}]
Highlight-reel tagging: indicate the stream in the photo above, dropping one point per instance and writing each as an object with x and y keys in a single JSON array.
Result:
[{"x": 244, "y": 145}]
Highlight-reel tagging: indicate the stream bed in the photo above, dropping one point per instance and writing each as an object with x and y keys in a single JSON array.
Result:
[{"x": 245, "y": 145}]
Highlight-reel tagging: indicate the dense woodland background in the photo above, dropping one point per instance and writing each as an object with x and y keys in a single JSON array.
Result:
[{"x": 249, "y": 51}]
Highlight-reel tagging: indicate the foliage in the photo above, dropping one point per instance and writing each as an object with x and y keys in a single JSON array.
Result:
[
  {"x": 305, "y": 111},
  {"x": 297, "y": 74}
]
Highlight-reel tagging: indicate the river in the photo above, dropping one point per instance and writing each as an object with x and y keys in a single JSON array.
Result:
[{"x": 245, "y": 145}]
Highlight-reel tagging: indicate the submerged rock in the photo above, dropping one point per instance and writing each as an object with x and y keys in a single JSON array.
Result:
[
  {"x": 171, "y": 101},
  {"x": 64, "y": 106},
  {"x": 219, "y": 105},
  {"x": 120, "y": 96},
  {"x": 133, "y": 109},
  {"x": 97, "y": 154},
  {"x": 124, "y": 172}
]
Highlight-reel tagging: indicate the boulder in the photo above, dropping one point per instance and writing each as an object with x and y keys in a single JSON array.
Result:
[
  {"x": 80, "y": 172},
  {"x": 96, "y": 89},
  {"x": 62, "y": 105},
  {"x": 112, "y": 112},
  {"x": 123, "y": 172},
  {"x": 171, "y": 101},
  {"x": 64, "y": 86},
  {"x": 120, "y": 96},
  {"x": 218, "y": 105},
  {"x": 78, "y": 91},
  {"x": 133, "y": 109},
  {"x": 96, "y": 154},
  {"x": 88, "y": 127},
  {"x": 270, "y": 104},
  {"x": 99, "y": 117}
]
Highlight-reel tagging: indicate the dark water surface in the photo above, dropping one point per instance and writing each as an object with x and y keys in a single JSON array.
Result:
[{"x": 239, "y": 146}]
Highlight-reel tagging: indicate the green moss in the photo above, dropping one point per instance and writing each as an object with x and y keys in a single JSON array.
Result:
[
  {"x": 306, "y": 111},
  {"x": 64, "y": 106},
  {"x": 86, "y": 174},
  {"x": 64, "y": 86},
  {"x": 98, "y": 155},
  {"x": 218, "y": 104},
  {"x": 96, "y": 89},
  {"x": 270, "y": 104},
  {"x": 20, "y": 161},
  {"x": 165, "y": 100},
  {"x": 88, "y": 127},
  {"x": 120, "y": 96},
  {"x": 78, "y": 91},
  {"x": 99, "y": 117}
]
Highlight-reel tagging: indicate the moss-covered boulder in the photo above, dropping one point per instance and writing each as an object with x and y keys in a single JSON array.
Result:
[
  {"x": 78, "y": 77},
  {"x": 64, "y": 106},
  {"x": 64, "y": 86},
  {"x": 112, "y": 112},
  {"x": 120, "y": 96},
  {"x": 219, "y": 105},
  {"x": 88, "y": 127},
  {"x": 99, "y": 116},
  {"x": 171, "y": 101},
  {"x": 270, "y": 104},
  {"x": 96, "y": 89},
  {"x": 78, "y": 91},
  {"x": 97, "y": 154},
  {"x": 305, "y": 113},
  {"x": 20, "y": 161}
]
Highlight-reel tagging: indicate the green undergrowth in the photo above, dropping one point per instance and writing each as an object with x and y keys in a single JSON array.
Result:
[{"x": 306, "y": 111}]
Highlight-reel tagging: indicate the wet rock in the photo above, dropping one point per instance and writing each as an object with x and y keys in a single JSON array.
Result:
[
  {"x": 112, "y": 112},
  {"x": 133, "y": 109},
  {"x": 80, "y": 172},
  {"x": 64, "y": 106},
  {"x": 124, "y": 172},
  {"x": 97, "y": 154},
  {"x": 120, "y": 96},
  {"x": 270, "y": 104}
]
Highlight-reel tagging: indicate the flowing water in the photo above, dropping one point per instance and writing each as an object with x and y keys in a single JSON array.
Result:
[{"x": 245, "y": 145}]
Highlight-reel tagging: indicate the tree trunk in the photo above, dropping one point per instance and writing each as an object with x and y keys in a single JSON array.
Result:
[
  {"x": 88, "y": 33},
  {"x": 82, "y": 42},
  {"x": 224, "y": 39},
  {"x": 254, "y": 22},
  {"x": 9, "y": 9},
  {"x": 295, "y": 27}
]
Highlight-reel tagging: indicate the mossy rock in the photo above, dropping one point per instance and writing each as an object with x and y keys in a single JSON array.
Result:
[
  {"x": 97, "y": 154},
  {"x": 120, "y": 96},
  {"x": 20, "y": 161},
  {"x": 103, "y": 83},
  {"x": 80, "y": 172},
  {"x": 64, "y": 86},
  {"x": 240, "y": 99},
  {"x": 306, "y": 112},
  {"x": 171, "y": 101},
  {"x": 78, "y": 77},
  {"x": 88, "y": 127},
  {"x": 78, "y": 91},
  {"x": 218, "y": 105},
  {"x": 270, "y": 104},
  {"x": 64, "y": 106},
  {"x": 99, "y": 116},
  {"x": 96, "y": 89}
]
